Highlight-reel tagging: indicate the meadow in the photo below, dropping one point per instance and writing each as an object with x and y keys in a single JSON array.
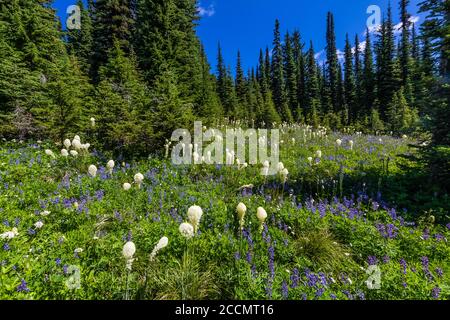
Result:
[{"x": 76, "y": 225}]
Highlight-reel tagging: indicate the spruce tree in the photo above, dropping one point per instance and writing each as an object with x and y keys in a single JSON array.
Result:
[
  {"x": 368, "y": 82},
  {"x": 112, "y": 21},
  {"x": 332, "y": 62},
  {"x": 277, "y": 77},
  {"x": 79, "y": 42},
  {"x": 312, "y": 88},
  {"x": 291, "y": 78},
  {"x": 349, "y": 81},
  {"x": 241, "y": 89}
]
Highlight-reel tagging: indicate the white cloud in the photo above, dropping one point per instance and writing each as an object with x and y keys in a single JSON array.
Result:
[{"x": 206, "y": 11}]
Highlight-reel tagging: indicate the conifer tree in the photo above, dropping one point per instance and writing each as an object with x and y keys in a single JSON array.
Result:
[
  {"x": 79, "y": 41},
  {"x": 332, "y": 62},
  {"x": 291, "y": 78},
  {"x": 277, "y": 73},
  {"x": 368, "y": 82},
  {"x": 349, "y": 81}
]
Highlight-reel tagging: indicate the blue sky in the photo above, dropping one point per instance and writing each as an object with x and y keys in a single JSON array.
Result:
[{"x": 247, "y": 25}]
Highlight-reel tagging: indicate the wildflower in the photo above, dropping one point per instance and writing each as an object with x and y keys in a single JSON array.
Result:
[
  {"x": 404, "y": 136},
  {"x": 73, "y": 153},
  {"x": 284, "y": 173},
  {"x": 338, "y": 142},
  {"x": 126, "y": 186},
  {"x": 138, "y": 178},
  {"x": 64, "y": 153},
  {"x": 261, "y": 214},
  {"x": 241, "y": 209},
  {"x": 9, "y": 234},
  {"x": 110, "y": 166},
  {"x": 39, "y": 224},
  {"x": 318, "y": 154},
  {"x": 435, "y": 292},
  {"x": 49, "y": 153},
  {"x": 67, "y": 143},
  {"x": 78, "y": 250},
  {"x": 186, "y": 230},
  {"x": 23, "y": 286},
  {"x": 310, "y": 159},
  {"x": 280, "y": 166},
  {"x": 45, "y": 213},
  {"x": 128, "y": 250},
  {"x": 76, "y": 143},
  {"x": 194, "y": 215},
  {"x": 92, "y": 170},
  {"x": 92, "y": 122},
  {"x": 351, "y": 144},
  {"x": 163, "y": 242}
]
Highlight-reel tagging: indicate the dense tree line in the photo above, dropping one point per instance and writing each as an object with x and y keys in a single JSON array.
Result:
[{"x": 138, "y": 68}]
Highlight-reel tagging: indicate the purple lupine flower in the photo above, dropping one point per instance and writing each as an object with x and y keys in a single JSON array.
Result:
[
  {"x": 271, "y": 261},
  {"x": 118, "y": 216},
  {"x": 404, "y": 284},
  {"x": 361, "y": 295},
  {"x": 426, "y": 234},
  {"x": 6, "y": 246},
  {"x": 439, "y": 272},
  {"x": 23, "y": 286},
  {"x": 372, "y": 260},
  {"x": 16, "y": 221},
  {"x": 348, "y": 294},
  {"x": 425, "y": 268},
  {"x": 375, "y": 206},
  {"x": 248, "y": 257},
  {"x": 58, "y": 261},
  {"x": 319, "y": 292},
  {"x": 65, "y": 268},
  {"x": 295, "y": 277},
  {"x": 403, "y": 264},
  {"x": 284, "y": 290},
  {"x": 386, "y": 259},
  {"x": 237, "y": 255},
  {"x": 311, "y": 277},
  {"x": 333, "y": 296},
  {"x": 439, "y": 237},
  {"x": 448, "y": 226},
  {"x": 435, "y": 292},
  {"x": 6, "y": 223}
]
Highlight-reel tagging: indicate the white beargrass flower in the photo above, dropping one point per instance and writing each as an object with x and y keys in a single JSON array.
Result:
[
  {"x": 351, "y": 144},
  {"x": 194, "y": 215},
  {"x": 310, "y": 159},
  {"x": 76, "y": 144},
  {"x": 319, "y": 154},
  {"x": 126, "y": 186},
  {"x": 128, "y": 250},
  {"x": 64, "y": 153},
  {"x": 67, "y": 143},
  {"x": 138, "y": 178},
  {"x": 39, "y": 224},
  {"x": 280, "y": 166},
  {"x": 49, "y": 153},
  {"x": 261, "y": 214},
  {"x": 77, "y": 137},
  {"x": 92, "y": 122},
  {"x": 284, "y": 173},
  {"x": 241, "y": 210},
  {"x": 78, "y": 250},
  {"x": 404, "y": 136},
  {"x": 92, "y": 170},
  {"x": 338, "y": 142},
  {"x": 163, "y": 242},
  {"x": 9, "y": 234},
  {"x": 186, "y": 230},
  {"x": 45, "y": 213},
  {"x": 74, "y": 153},
  {"x": 110, "y": 166}
]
